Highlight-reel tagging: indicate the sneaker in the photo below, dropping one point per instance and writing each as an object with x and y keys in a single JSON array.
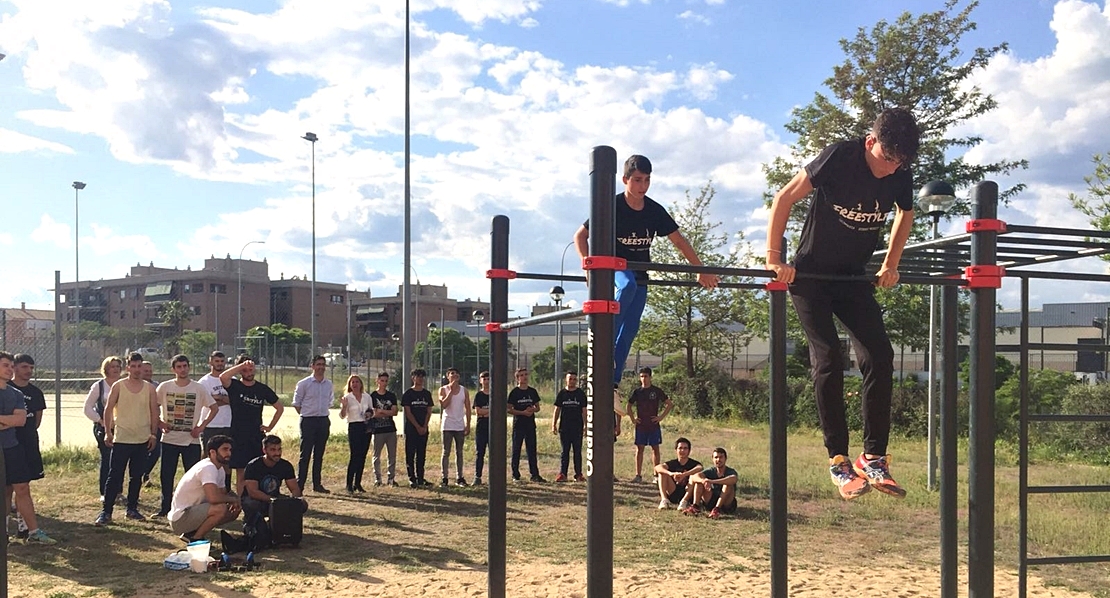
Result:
[
  {"x": 877, "y": 474},
  {"x": 135, "y": 515},
  {"x": 443, "y": 483},
  {"x": 579, "y": 477},
  {"x": 683, "y": 504},
  {"x": 377, "y": 483},
  {"x": 665, "y": 504},
  {"x": 715, "y": 513},
  {"x": 21, "y": 530},
  {"x": 637, "y": 479},
  {"x": 691, "y": 510},
  {"x": 39, "y": 537},
  {"x": 102, "y": 519},
  {"x": 392, "y": 483},
  {"x": 414, "y": 484},
  {"x": 516, "y": 477},
  {"x": 538, "y": 479},
  {"x": 851, "y": 485},
  {"x": 478, "y": 481},
  {"x": 425, "y": 483},
  {"x": 461, "y": 483},
  {"x": 160, "y": 515},
  {"x": 320, "y": 489},
  {"x": 562, "y": 477},
  {"x": 188, "y": 537}
]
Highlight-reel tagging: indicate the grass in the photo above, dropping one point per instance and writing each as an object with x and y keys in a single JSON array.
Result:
[{"x": 423, "y": 531}]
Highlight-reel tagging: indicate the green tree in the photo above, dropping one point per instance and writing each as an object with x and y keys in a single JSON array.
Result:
[
  {"x": 196, "y": 345},
  {"x": 459, "y": 351},
  {"x": 690, "y": 319},
  {"x": 174, "y": 315},
  {"x": 543, "y": 363},
  {"x": 1096, "y": 206}
]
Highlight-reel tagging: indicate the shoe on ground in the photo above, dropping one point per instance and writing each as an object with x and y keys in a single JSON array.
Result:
[
  {"x": 665, "y": 504},
  {"x": 443, "y": 483},
  {"x": 562, "y": 477},
  {"x": 188, "y": 537},
  {"x": 39, "y": 537},
  {"x": 691, "y": 510},
  {"x": 683, "y": 504},
  {"x": 135, "y": 515},
  {"x": 461, "y": 483},
  {"x": 715, "y": 513},
  {"x": 579, "y": 477},
  {"x": 160, "y": 515},
  {"x": 516, "y": 477},
  {"x": 392, "y": 483},
  {"x": 637, "y": 479},
  {"x": 478, "y": 481},
  {"x": 377, "y": 483},
  {"x": 425, "y": 483},
  {"x": 414, "y": 484},
  {"x": 320, "y": 489},
  {"x": 851, "y": 485},
  {"x": 877, "y": 474},
  {"x": 360, "y": 489},
  {"x": 538, "y": 479},
  {"x": 102, "y": 519}
]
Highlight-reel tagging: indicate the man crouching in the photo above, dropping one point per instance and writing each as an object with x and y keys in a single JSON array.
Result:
[{"x": 201, "y": 501}]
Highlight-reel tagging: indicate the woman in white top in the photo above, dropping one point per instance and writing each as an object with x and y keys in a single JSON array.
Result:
[
  {"x": 112, "y": 370},
  {"x": 353, "y": 407},
  {"x": 454, "y": 404}
]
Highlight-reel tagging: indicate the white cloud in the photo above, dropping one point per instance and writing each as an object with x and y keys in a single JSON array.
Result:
[
  {"x": 7, "y": 239},
  {"x": 692, "y": 17},
  {"x": 50, "y": 231},
  {"x": 12, "y": 142}
]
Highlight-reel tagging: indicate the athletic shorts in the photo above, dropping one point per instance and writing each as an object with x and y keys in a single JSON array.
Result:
[
  {"x": 678, "y": 494},
  {"x": 727, "y": 509},
  {"x": 653, "y": 438},
  {"x": 15, "y": 462},
  {"x": 190, "y": 519},
  {"x": 245, "y": 452}
]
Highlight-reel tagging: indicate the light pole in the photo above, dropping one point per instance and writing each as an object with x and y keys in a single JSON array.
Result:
[
  {"x": 441, "y": 331},
  {"x": 239, "y": 295},
  {"x": 311, "y": 137},
  {"x": 77, "y": 187},
  {"x": 479, "y": 316},
  {"x": 557, "y": 295},
  {"x": 935, "y": 198},
  {"x": 431, "y": 326}
]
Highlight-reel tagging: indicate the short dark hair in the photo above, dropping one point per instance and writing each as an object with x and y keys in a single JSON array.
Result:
[
  {"x": 452, "y": 369},
  {"x": 180, "y": 357},
  {"x": 8, "y": 356},
  {"x": 645, "y": 370},
  {"x": 215, "y": 442},
  {"x": 636, "y": 163},
  {"x": 572, "y": 373},
  {"x": 217, "y": 354},
  {"x": 484, "y": 374},
  {"x": 241, "y": 358},
  {"x": 316, "y": 358},
  {"x": 897, "y": 130},
  {"x": 419, "y": 372},
  {"x": 383, "y": 374},
  {"x": 682, "y": 439},
  {"x": 271, "y": 439},
  {"x": 723, "y": 452},
  {"x": 133, "y": 357},
  {"x": 23, "y": 358},
  {"x": 519, "y": 371}
]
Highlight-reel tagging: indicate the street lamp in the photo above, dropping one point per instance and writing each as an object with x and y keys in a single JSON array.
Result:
[
  {"x": 239, "y": 293},
  {"x": 431, "y": 327},
  {"x": 935, "y": 199},
  {"x": 557, "y": 295},
  {"x": 442, "y": 330},
  {"x": 77, "y": 187},
  {"x": 479, "y": 316},
  {"x": 311, "y": 137}
]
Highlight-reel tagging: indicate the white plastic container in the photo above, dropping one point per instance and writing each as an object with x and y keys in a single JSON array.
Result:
[{"x": 199, "y": 555}]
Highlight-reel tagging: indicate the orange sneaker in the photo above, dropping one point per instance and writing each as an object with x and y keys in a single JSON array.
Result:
[
  {"x": 562, "y": 477},
  {"x": 851, "y": 485},
  {"x": 877, "y": 474},
  {"x": 715, "y": 513}
]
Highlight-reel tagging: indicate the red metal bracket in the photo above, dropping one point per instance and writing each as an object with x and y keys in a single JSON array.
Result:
[
  {"x": 604, "y": 262},
  {"x": 598, "y": 306},
  {"x": 494, "y": 327},
  {"x": 501, "y": 273},
  {"x": 984, "y": 277},
  {"x": 775, "y": 285},
  {"x": 986, "y": 225}
]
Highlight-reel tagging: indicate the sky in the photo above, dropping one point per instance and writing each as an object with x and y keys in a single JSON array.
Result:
[{"x": 185, "y": 121}]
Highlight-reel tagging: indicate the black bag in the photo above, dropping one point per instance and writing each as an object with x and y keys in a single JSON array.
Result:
[
  {"x": 98, "y": 428},
  {"x": 286, "y": 520},
  {"x": 256, "y": 532},
  {"x": 233, "y": 545}
]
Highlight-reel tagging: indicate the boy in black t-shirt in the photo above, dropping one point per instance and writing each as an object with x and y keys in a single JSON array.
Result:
[
  {"x": 417, "y": 402},
  {"x": 384, "y": 430},
  {"x": 674, "y": 475},
  {"x": 569, "y": 422},
  {"x": 524, "y": 404},
  {"x": 263, "y": 479},
  {"x": 481, "y": 430},
  {"x": 246, "y": 397},
  {"x": 854, "y": 184}
]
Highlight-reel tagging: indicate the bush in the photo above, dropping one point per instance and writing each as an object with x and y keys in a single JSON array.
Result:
[{"x": 1087, "y": 438}]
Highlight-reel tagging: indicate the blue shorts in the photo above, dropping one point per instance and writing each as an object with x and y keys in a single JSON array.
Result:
[{"x": 653, "y": 438}]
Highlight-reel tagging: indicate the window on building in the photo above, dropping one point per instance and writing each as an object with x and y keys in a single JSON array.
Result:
[
  {"x": 337, "y": 299},
  {"x": 122, "y": 314},
  {"x": 122, "y": 294},
  {"x": 196, "y": 310},
  {"x": 217, "y": 288}
]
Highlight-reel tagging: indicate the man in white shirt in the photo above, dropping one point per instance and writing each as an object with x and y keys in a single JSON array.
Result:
[
  {"x": 312, "y": 399},
  {"x": 201, "y": 502},
  {"x": 182, "y": 402}
]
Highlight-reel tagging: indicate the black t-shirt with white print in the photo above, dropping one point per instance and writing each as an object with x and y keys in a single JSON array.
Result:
[{"x": 636, "y": 229}]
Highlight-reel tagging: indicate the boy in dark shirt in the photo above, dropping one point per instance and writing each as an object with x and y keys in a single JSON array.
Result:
[
  {"x": 481, "y": 429},
  {"x": 569, "y": 422},
  {"x": 714, "y": 488},
  {"x": 643, "y": 409},
  {"x": 855, "y": 185},
  {"x": 524, "y": 404},
  {"x": 417, "y": 402},
  {"x": 263, "y": 478},
  {"x": 674, "y": 475},
  {"x": 246, "y": 396}
]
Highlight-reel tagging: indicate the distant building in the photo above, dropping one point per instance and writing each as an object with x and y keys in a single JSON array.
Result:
[
  {"x": 380, "y": 317},
  {"x": 24, "y": 327}
]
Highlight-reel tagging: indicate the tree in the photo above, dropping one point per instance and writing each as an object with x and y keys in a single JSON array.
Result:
[
  {"x": 691, "y": 319},
  {"x": 459, "y": 351},
  {"x": 1096, "y": 207},
  {"x": 543, "y": 363},
  {"x": 196, "y": 345},
  {"x": 174, "y": 315}
]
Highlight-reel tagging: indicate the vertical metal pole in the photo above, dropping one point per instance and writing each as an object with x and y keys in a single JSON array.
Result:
[
  {"x": 57, "y": 358},
  {"x": 777, "y": 292},
  {"x": 931, "y": 456},
  {"x": 498, "y": 408},
  {"x": 980, "y": 461},
  {"x": 599, "y": 362},
  {"x": 76, "y": 277},
  {"x": 313, "y": 302},
  {"x": 949, "y": 536},
  {"x": 407, "y": 315},
  {"x": 1023, "y": 445}
]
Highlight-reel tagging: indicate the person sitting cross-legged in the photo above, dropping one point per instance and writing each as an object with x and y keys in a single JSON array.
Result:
[
  {"x": 674, "y": 476},
  {"x": 714, "y": 488}
]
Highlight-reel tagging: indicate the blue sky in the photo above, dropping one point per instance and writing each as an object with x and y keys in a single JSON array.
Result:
[{"x": 185, "y": 118}]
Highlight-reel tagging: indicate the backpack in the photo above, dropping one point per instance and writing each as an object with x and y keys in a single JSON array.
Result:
[
  {"x": 98, "y": 427},
  {"x": 256, "y": 532}
]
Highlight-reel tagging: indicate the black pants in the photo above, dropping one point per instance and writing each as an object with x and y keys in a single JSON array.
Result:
[
  {"x": 481, "y": 440},
  {"x": 571, "y": 441},
  {"x": 853, "y": 303},
  {"x": 416, "y": 448},
  {"x": 524, "y": 432},
  {"x": 314, "y": 439},
  {"x": 105, "y": 456},
  {"x": 133, "y": 458},
  {"x": 189, "y": 455},
  {"x": 358, "y": 437}
]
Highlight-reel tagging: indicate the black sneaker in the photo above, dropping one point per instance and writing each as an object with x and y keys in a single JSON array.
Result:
[
  {"x": 443, "y": 483},
  {"x": 425, "y": 483},
  {"x": 478, "y": 481},
  {"x": 538, "y": 479},
  {"x": 391, "y": 483},
  {"x": 320, "y": 489},
  {"x": 188, "y": 537},
  {"x": 160, "y": 515},
  {"x": 516, "y": 477},
  {"x": 461, "y": 482},
  {"x": 414, "y": 484},
  {"x": 103, "y": 519},
  {"x": 135, "y": 515}
]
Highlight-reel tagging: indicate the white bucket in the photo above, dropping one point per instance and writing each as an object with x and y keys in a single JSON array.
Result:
[{"x": 198, "y": 553}]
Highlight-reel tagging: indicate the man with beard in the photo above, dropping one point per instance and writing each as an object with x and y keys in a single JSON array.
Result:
[
  {"x": 221, "y": 423},
  {"x": 246, "y": 396},
  {"x": 200, "y": 502}
]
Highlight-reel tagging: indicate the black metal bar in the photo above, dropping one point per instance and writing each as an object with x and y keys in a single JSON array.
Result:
[
  {"x": 1057, "y": 256},
  {"x": 1050, "y": 230},
  {"x": 599, "y": 416},
  {"x": 949, "y": 534},
  {"x": 554, "y": 316},
  {"x": 692, "y": 269},
  {"x": 980, "y": 545},
  {"x": 1023, "y": 445},
  {"x": 943, "y": 242},
  {"x": 498, "y": 429},
  {"x": 1085, "y": 489},
  {"x": 1060, "y": 417},
  {"x": 1087, "y": 277},
  {"x": 778, "y": 423},
  {"x": 1054, "y": 347},
  {"x": 1016, "y": 240},
  {"x": 536, "y": 276},
  {"x": 4, "y": 542},
  {"x": 1070, "y": 560}
]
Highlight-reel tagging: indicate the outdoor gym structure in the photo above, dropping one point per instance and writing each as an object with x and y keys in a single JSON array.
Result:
[{"x": 978, "y": 259}]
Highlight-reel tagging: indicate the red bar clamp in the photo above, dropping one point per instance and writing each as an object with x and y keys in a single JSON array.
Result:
[
  {"x": 494, "y": 327},
  {"x": 984, "y": 277},
  {"x": 983, "y": 225},
  {"x": 604, "y": 262},
  {"x": 598, "y": 306},
  {"x": 501, "y": 273},
  {"x": 775, "y": 285}
]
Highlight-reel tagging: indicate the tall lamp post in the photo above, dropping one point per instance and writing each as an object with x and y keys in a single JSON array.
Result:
[
  {"x": 479, "y": 317},
  {"x": 557, "y": 295},
  {"x": 312, "y": 138},
  {"x": 77, "y": 187},
  {"x": 431, "y": 326},
  {"x": 441, "y": 331},
  {"x": 239, "y": 295},
  {"x": 935, "y": 199}
]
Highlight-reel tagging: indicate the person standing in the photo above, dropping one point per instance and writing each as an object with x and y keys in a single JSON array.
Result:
[
  {"x": 569, "y": 422},
  {"x": 20, "y": 464},
  {"x": 28, "y": 433},
  {"x": 643, "y": 409},
  {"x": 454, "y": 422},
  {"x": 855, "y": 184},
  {"x": 481, "y": 428},
  {"x": 524, "y": 404},
  {"x": 246, "y": 396},
  {"x": 111, "y": 369},
  {"x": 384, "y": 430},
  {"x": 417, "y": 402},
  {"x": 221, "y": 423},
  {"x": 354, "y": 407},
  {"x": 182, "y": 401},
  {"x": 312, "y": 399},
  {"x": 130, "y": 427},
  {"x": 154, "y": 454}
]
